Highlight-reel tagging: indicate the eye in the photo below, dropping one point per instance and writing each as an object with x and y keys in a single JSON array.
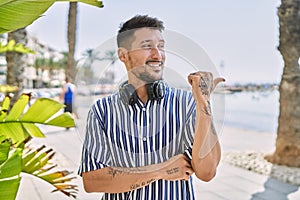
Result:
[
  {"x": 146, "y": 46},
  {"x": 161, "y": 46}
]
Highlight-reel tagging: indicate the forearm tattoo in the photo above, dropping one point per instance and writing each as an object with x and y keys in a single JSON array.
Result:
[
  {"x": 173, "y": 170},
  {"x": 204, "y": 85},
  {"x": 142, "y": 184},
  {"x": 207, "y": 109},
  {"x": 121, "y": 171},
  {"x": 115, "y": 171},
  {"x": 213, "y": 129}
]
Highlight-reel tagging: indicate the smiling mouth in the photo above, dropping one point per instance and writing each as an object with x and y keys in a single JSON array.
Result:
[{"x": 154, "y": 63}]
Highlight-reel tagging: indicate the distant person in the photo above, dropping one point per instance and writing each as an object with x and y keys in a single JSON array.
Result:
[
  {"x": 148, "y": 139},
  {"x": 68, "y": 96}
]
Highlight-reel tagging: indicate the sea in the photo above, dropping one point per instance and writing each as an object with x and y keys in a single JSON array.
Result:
[
  {"x": 255, "y": 110},
  {"x": 252, "y": 110}
]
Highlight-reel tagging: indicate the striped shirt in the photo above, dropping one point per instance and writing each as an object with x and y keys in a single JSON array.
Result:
[{"x": 122, "y": 135}]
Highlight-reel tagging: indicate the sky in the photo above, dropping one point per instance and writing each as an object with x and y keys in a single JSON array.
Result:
[{"x": 241, "y": 36}]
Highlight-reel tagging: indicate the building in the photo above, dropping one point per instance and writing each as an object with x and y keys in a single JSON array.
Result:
[{"x": 33, "y": 77}]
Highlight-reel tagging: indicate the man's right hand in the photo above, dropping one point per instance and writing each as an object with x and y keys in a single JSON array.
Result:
[{"x": 177, "y": 168}]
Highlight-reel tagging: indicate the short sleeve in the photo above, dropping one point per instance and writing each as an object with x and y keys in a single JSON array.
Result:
[
  {"x": 189, "y": 131},
  {"x": 95, "y": 150}
]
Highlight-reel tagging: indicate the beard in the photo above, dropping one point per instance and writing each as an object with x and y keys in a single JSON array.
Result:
[
  {"x": 148, "y": 78},
  {"x": 148, "y": 73}
]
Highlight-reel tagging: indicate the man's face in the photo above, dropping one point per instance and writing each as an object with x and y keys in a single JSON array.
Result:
[{"x": 146, "y": 57}]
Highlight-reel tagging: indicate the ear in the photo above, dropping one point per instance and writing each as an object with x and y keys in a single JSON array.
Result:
[{"x": 122, "y": 54}]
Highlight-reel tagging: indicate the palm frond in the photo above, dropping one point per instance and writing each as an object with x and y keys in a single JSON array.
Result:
[
  {"x": 37, "y": 162},
  {"x": 21, "y": 121},
  {"x": 17, "y": 14}
]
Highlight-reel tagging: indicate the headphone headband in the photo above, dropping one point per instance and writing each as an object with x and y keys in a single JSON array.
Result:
[{"x": 155, "y": 91}]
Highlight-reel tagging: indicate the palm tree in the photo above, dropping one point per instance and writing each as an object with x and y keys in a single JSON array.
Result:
[
  {"x": 72, "y": 22},
  {"x": 16, "y": 62},
  {"x": 89, "y": 56},
  {"x": 18, "y": 125},
  {"x": 112, "y": 57},
  {"x": 85, "y": 73},
  {"x": 288, "y": 133}
]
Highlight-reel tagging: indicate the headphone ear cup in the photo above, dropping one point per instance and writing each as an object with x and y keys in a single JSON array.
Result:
[
  {"x": 156, "y": 90},
  {"x": 159, "y": 89},
  {"x": 123, "y": 95},
  {"x": 150, "y": 91},
  {"x": 133, "y": 98},
  {"x": 128, "y": 94}
]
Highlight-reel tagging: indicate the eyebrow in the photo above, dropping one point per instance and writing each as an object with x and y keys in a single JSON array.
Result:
[{"x": 145, "y": 41}]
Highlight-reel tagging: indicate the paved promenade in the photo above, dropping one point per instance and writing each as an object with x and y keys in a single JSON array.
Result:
[{"x": 230, "y": 183}]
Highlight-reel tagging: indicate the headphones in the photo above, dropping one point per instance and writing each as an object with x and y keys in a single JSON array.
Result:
[{"x": 155, "y": 90}]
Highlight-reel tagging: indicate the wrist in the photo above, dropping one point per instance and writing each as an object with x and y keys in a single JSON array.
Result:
[{"x": 204, "y": 107}]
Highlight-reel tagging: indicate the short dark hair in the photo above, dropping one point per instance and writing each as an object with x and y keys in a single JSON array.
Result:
[{"x": 128, "y": 28}]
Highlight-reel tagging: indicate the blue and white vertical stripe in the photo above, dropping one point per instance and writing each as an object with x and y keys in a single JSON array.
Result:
[{"x": 131, "y": 136}]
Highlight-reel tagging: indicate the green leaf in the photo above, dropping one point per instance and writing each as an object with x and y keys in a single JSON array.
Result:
[
  {"x": 28, "y": 156},
  {"x": 8, "y": 88},
  {"x": 93, "y": 3},
  {"x": 13, "y": 165},
  {"x": 36, "y": 162},
  {"x": 49, "y": 177},
  {"x": 19, "y": 125},
  {"x": 18, "y": 108},
  {"x": 33, "y": 130},
  {"x": 9, "y": 188},
  {"x": 17, "y": 14},
  {"x": 5, "y": 107},
  {"x": 12, "y": 46},
  {"x": 2, "y": 138},
  {"x": 4, "y": 150},
  {"x": 63, "y": 120},
  {"x": 41, "y": 157},
  {"x": 42, "y": 110},
  {"x": 10, "y": 170},
  {"x": 13, "y": 130}
]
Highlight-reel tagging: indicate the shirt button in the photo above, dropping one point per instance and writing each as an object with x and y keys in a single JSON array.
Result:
[
  {"x": 144, "y": 139},
  {"x": 144, "y": 109}
]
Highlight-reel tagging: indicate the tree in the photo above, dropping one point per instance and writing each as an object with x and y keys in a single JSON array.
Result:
[
  {"x": 112, "y": 57},
  {"x": 17, "y": 125},
  {"x": 89, "y": 56},
  {"x": 288, "y": 132},
  {"x": 85, "y": 74},
  {"x": 72, "y": 23},
  {"x": 15, "y": 15},
  {"x": 16, "y": 62},
  {"x": 21, "y": 13}
]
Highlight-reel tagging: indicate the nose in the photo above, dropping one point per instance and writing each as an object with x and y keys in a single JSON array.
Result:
[{"x": 157, "y": 53}]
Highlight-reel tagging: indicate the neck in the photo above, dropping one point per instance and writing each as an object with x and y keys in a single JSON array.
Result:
[{"x": 142, "y": 93}]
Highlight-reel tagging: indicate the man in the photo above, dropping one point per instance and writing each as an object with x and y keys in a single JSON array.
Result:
[
  {"x": 67, "y": 95},
  {"x": 145, "y": 141}
]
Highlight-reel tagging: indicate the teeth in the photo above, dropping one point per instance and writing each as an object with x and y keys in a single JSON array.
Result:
[
  {"x": 157, "y": 65},
  {"x": 154, "y": 64}
]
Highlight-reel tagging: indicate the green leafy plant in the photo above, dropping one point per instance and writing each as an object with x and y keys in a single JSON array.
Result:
[
  {"x": 17, "y": 14},
  {"x": 17, "y": 126},
  {"x": 12, "y": 46}
]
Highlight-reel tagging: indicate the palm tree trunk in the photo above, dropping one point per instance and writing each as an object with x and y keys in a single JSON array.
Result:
[
  {"x": 288, "y": 133},
  {"x": 16, "y": 63},
  {"x": 72, "y": 21}
]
